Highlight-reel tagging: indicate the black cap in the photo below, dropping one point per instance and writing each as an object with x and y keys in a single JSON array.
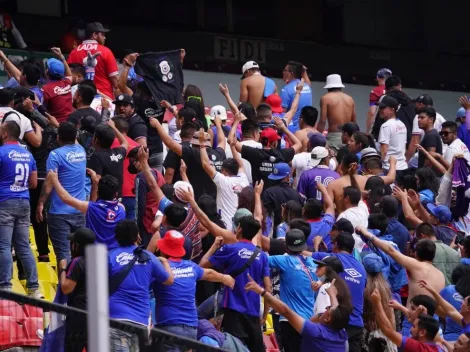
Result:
[
  {"x": 22, "y": 92},
  {"x": 95, "y": 27},
  {"x": 83, "y": 236},
  {"x": 295, "y": 240},
  {"x": 389, "y": 206},
  {"x": 426, "y": 99},
  {"x": 388, "y": 102},
  {"x": 331, "y": 261},
  {"x": 350, "y": 128},
  {"x": 344, "y": 225},
  {"x": 124, "y": 99}
]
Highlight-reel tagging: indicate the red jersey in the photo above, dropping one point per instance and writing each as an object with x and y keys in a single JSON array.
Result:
[
  {"x": 58, "y": 98},
  {"x": 106, "y": 66},
  {"x": 375, "y": 95},
  {"x": 410, "y": 345},
  {"x": 128, "y": 179}
]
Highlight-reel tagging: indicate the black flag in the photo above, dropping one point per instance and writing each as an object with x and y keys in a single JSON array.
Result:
[{"x": 163, "y": 74}]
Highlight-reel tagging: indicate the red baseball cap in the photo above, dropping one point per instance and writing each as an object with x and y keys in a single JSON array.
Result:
[
  {"x": 275, "y": 102},
  {"x": 172, "y": 244},
  {"x": 270, "y": 134}
]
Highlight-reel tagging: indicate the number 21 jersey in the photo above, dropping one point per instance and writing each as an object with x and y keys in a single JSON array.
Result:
[{"x": 16, "y": 165}]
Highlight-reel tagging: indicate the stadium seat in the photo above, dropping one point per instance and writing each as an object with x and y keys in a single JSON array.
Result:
[
  {"x": 47, "y": 290},
  {"x": 17, "y": 287},
  {"x": 19, "y": 334},
  {"x": 269, "y": 325},
  {"x": 52, "y": 257},
  {"x": 270, "y": 343},
  {"x": 47, "y": 273},
  {"x": 15, "y": 272},
  {"x": 11, "y": 309}
]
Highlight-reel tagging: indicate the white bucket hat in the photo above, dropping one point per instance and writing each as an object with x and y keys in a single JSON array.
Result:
[{"x": 333, "y": 81}]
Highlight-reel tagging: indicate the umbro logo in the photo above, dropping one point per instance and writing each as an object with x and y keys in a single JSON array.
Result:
[{"x": 353, "y": 272}]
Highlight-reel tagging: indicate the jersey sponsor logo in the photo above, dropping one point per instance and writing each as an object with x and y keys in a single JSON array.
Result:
[
  {"x": 353, "y": 275},
  {"x": 87, "y": 46},
  {"x": 165, "y": 68},
  {"x": 15, "y": 155},
  {"x": 457, "y": 297},
  {"x": 115, "y": 157},
  {"x": 75, "y": 157},
  {"x": 124, "y": 258},
  {"x": 183, "y": 272},
  {"x": 62, "y": 90},
  {"x": 245, "y": 253}
]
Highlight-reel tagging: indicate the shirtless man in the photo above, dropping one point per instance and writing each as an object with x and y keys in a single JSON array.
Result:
[
  {"x": 417, "y": 269},
  {"x": 336, "y": 107},
  {"x": 254, "y": 87},
  {"x": 307, "y": 122},
  {"x": 348, "y": 169}
]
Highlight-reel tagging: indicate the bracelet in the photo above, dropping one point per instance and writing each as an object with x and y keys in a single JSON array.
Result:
[
  {"x": 61, "y": 271},
  {"x": 203, "y": 146},
  {"x": 263, "y": 293}
]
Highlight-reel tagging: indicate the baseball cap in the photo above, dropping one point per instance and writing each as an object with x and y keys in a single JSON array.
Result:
[
  {"x": 345, "y": 240},
  {"x": 218, "y": 110},
  {"x": 280, "y": 171},
  {"x": 275, "y": 102},
  {"x": 426, "y": 99},
  {"x": 384, "y": 73},
  {"x": 83, "y": 236},
  {"x": 295, "y": 240},
  {"x": 124, "y": 99},
  {"x": 172, "y": 244},
  {"x": 316, "y": 139},
  {"x": 389, "y": 206},
  {"x": 270, "y": 134},
  {"x": 95, "y": 27},
  {"x": 372, "y": 263},
  {"x": 344, "y": 225},
  {"x": 461, "y": 113},
  {"x": 55, "y": 67},
  {"x": 368, "y": 153},
  {"x": 331, "y": 261},
  {"x": 240, "y": 213},
  {"x": 317, "y": 154},
  {"x": 349, "y": 128},
  {"x": 248, "y": 66},
  {"x": 207, "y": 139},
  {"x": 182, "y": 186},
  {"x": 441, "y": 212},
  {"x": 388, "y": 102}
]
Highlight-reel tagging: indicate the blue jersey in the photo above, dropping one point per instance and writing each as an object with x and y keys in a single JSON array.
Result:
[
  {"x": 70, "y": 163},
  {"x": 453, "y": 330},
  {"x": 16, "y": 165},
  {"x": 288, "y": 95},
  {"x": 102, "y": 217}
]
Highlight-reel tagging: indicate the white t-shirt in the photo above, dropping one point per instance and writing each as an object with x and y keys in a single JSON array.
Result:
[
  {"x": 358, "y": 216},
  {"x": 96, "y": 104},
  {"x": 323, "y": 300},
  {"x": 456, "y": 147},
  {"x": 300, "y": 164},
  {"x": 19, "y": 118},
  {"x": 393, "y": 133},
  {"x": 437, "y": 125},
  {"x": 228, "y": 188},
  {"x": 246, "y": 163}
]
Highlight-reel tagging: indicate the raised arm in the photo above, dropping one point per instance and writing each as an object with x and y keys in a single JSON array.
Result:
[
  {"x": 212, "y": 227},
  {"x": 205, "y": 162},
  {"x": 431, "y": 160},
  {"x": 95, "y": 179},
  {"x": 236, "y": 120},
  {"x": 236, "y": 155},
  {"x": 119, "y": 135},
  {"x": 152, "y": 184},
  {"x": 382, "y": 320},
  {"x": 165, "y": 137},
  {"x": 328, "y": 204},
  {"x": 323, "y": 115},
  {"x": 9, "y": 67},
  {"x": 68, "y": 72},
  {"x": 297, "y": 145},
  {"x": 410, "y": 216},
  {"x": 258, "y": 212},
  {"x": 128, "y": 62},
  {"x": 392, "y": 173},
  {"x": 64, "y": 196},
  {"x": 214, "y": 276},
  {"x": 295, "y": 103},
  {"x": 220, "y": 133},
  {"x": 225, "y": 92}
]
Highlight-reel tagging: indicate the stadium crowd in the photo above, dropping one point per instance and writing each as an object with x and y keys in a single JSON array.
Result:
[{"x": 346, "y": 240}]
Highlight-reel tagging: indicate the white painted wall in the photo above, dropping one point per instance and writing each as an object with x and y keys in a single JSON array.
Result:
[{"x": 446, "y": 103}]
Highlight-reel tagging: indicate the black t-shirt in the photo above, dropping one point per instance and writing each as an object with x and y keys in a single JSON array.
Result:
[
  {"x": 431, "y": 140},
  {"x": 262, "y": 161},
  {"x": 200, "y": 180},
  {"x": 76, "y": 272},
  {"x": 137, "y": 127},
  {"x": 275, "y": 196},
  {"x": 78, "y": 114},
  {"x": 108, "y": 162},
  {"x": 173, "y": 161},
  {"x": 147, "y": 109},
  {"x": 41, "y": 153}
]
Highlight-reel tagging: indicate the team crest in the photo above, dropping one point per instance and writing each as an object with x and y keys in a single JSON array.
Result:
[{"x": 165, "y": 69}]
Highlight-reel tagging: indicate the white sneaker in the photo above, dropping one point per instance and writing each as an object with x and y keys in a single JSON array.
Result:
[{"x": 35, "y": 294}]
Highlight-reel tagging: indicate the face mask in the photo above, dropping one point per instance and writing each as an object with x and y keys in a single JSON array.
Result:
[
  {"x": 132, "y": 169},
  {"x": 322, "y": 278}
]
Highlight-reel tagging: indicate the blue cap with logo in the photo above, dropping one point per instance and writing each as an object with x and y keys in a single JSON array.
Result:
[
  {"x": 55, "y": 67},
  {"x": 384, "y": 73},
  {"x": 441, "y": 212},
  {"x": 280, "y": 171},
  {"x": 373, "y": 263}
]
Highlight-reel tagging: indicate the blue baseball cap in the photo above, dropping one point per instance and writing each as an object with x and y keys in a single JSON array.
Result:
[
  {"x": 280, "y": 171},
  {"x": 373, "y": 263},
  {"x": 441, "y": 212},
  {"x": 384, "y": 73},
  {"x": 461, "y": 113},
  {"x": 55, "y": 67}
]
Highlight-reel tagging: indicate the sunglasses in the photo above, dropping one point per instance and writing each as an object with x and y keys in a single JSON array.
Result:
[{"x": 444, "y": 133}]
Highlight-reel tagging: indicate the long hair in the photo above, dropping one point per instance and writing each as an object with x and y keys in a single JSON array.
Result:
[
  {"x": 376, "y": 187},
  {"x": 376, "y": 281},
  {"x": 246, "y": 199},
  {"x": 427, "y": 180},
  {"x": 292, "y": 210},
  {"x": 344, "y": 296}
]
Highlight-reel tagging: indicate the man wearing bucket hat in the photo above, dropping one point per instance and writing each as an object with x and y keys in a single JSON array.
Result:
[
  {"x": 337, "y": 108},
  {"x": 175, "y": 309}
]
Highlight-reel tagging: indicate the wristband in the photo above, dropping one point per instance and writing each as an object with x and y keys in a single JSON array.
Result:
[
  {"x": 62, "y": 270},
  {"x": 263, "y": 293}
]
